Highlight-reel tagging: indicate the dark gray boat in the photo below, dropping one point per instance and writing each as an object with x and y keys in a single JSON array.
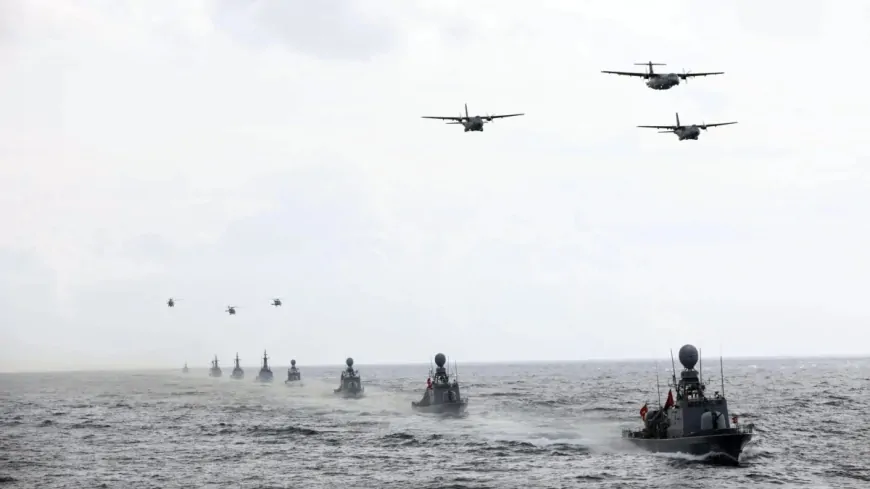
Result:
[
  {"x": 442, "y": 395},
  {"x": 185, "y": 369},
  {"x": 692, "y": 423},
  {"x": 351, "y": 384},
  {"x": 293, "y": 375},
  {"x": 238, "y": 373},
  {"x": 265, "y": 374},
  {"x": 215, "y": 371}
]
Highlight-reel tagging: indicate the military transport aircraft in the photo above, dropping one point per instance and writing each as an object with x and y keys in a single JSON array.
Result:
[
  {"x": 231, "y": 310},
  {"x": 276, "y": 302},
  {"x": 661, "y": 81},
  {"x": 687, "y": 132},
  {"x": 171, "y": 302},
  {"x": 472, "y": 123}
]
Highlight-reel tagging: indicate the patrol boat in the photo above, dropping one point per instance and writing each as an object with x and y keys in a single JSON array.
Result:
[
  {"x": 265, "y": 374},
  {"x": 238, "y": 373},
  {"x": 185, "y": 369},
  {"x": 351, "y": 385},
  {"x": 215, "y": 371},
  {"x": 694, "y": 423},
  {"x": 293, "y": 374},
  {"x": 441, "y": 396}
]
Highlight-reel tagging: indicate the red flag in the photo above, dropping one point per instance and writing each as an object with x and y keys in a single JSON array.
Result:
[
  {"x": 643, "y": 411},
  {"x": 734, "y": 419},
  {"x": 670, "y": 401}
]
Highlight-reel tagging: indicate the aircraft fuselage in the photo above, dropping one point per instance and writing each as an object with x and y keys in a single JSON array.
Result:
[
  {"x": 474, "y": 124},
  {"x": 663, "y": 81},
  {"x": 688, "y": 132}
]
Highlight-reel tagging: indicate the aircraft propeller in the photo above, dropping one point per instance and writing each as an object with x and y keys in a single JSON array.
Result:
[{"x": 685, "y": 77}]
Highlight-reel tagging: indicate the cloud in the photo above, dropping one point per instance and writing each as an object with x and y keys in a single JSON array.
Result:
[{"x": 229, "y": 153}]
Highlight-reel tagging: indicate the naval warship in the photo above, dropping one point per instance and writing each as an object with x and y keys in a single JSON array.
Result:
[
  {"x": 185, "y": 369},
  {"x": 693, "y": 423},
  {"x": 214, "y": 371},
  {"x": 265, "y": 374},
  {"x": 351, "y": 385},
  {"x": 238, "y": 373},
  {"x": 441, "y": 396},
  {"x": 293, "y": 374}
]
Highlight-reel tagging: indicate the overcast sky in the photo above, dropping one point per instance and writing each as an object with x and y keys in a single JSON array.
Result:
[{"x": 227, "y": 152}]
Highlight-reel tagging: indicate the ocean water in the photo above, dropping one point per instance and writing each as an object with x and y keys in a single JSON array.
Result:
[{"x": 527, "y": 426}]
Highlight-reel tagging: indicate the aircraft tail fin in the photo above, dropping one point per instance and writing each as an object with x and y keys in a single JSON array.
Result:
[
  {"x": 678, "y": 118},
  {"x": 650, "y": 64},
  {"x": 466, "y": 111}
]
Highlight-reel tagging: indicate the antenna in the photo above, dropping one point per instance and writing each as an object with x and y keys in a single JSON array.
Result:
[
  {"x": 700, "y": 367},
  {"x": 674, "y": 368},
  {"x": 658, "y": 387},
  {"x": 722, "y": 374}
]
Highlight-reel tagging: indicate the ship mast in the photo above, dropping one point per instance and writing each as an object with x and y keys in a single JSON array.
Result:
[{"x": 658, "y": 386}]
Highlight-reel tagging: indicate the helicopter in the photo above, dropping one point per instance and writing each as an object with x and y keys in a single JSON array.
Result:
[
  {"x": 231, "y": 310},
  {"x": 276, "y": 302},
  {"x": 171, "y": 302}
]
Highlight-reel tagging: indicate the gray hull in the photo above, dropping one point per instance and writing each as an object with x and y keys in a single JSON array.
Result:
[
  {"x": 725, "y": 447},
  {"x": 441, "y": 408},
  {"x": 238, "y": 374},
  {"x": 349, "y": 394}
]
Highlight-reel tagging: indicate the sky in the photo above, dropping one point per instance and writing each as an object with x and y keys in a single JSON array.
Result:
[{"x": 227, "y": 152}]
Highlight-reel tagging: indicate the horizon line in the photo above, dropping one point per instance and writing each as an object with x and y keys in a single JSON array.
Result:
[{"x": 479, "y": 363}]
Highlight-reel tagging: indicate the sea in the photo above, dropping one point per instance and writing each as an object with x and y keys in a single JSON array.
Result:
[{"x": 530, "y": 425}]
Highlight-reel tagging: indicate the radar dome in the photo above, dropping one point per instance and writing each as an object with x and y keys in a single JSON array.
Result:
[
  {"x": 349, "y": 361},
  {"x": 440, "y": 359},
  {"x": 293, "y": 362},
  {"x": 688, "y": 356}
]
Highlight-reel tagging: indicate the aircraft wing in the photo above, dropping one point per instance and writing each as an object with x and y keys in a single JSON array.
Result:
[
  {"x": 628, "y": 73},
  {"x": 500, "y": 116},
  {"x": 669, "y": 128},
  {"x": 689, "y": 75},
  {"x": 454, "y": 118},
  {"x": 719, "y": 124}
]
